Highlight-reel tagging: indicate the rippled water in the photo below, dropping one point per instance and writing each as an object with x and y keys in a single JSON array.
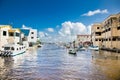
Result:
[{"x": 52, "y": 62}]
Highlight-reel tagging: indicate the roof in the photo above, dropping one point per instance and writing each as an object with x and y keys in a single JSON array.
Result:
[
  {"x": 5, "y": 26},
  {"x": 113, "y": 15},
  {"x": 13, "y": 30},
  {"x": 25, "y": 31}
]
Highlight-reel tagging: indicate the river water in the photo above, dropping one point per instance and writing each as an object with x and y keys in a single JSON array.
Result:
[{"x": 52, "y": 62}]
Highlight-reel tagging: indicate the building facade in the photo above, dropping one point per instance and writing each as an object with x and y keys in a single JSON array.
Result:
[
  {"x": 8, "y": 35},
  {"x": 28, "y": 36},
  {"x": 4, "y": 35},
  {"x": 96, "y": 37},
  {"x": 110, "y": 32},
  {"x": 83, "y": 40},
  {"x": 14, "y": 36}
]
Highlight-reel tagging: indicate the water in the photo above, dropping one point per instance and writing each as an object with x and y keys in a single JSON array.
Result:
[{"x": 52, "y": 62}]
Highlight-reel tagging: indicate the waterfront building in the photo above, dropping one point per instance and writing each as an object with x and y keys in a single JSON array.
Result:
[
  {"x": 4, "y": 35},
  {"x": 29, "y": 35},
  {"x": 96, "y": 37},
  {"x": 109, "y": 32},
  {"x": 83, "y": 40},
  {"x": 14, "y": 36},
  {"x": 8, "y": 35}
]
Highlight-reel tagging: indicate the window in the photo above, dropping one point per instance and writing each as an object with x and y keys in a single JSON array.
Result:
[
  {"x": 12, "y": 48},
  {"x": 106, "y": 39},
  {"x": 32, "y": 37},
  {"x": 103, "y": 39},
  {"x": 97, "y": 27},
  {"x": 109, "y": 29},
  {"x": 11, "y": 34},
  {"x": 96, "y": 39},
  {"x": 32, "y": 32},
  {"x": 119, "y": 39},
  {"x": 98, "y": 33},
  {"x": 113, "y": 39},
  {"x": 109, "y": 39},
  {"x": 4, "y": 33},
  {"x": 6, "y": 48},
  {"x": 17, "y": 34},
  {"x": 118, "y": 27}
]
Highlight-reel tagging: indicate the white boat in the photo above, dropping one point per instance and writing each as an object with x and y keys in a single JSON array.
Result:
[
  {"x": 13, "y": 50},
  {"x": 72, "y": 51},
  {"x": 96, "y": 48},
  {"x": 81, "y": 48},
  {"x": 39, "y": 45}
]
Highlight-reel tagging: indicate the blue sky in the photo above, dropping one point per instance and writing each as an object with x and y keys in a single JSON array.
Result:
[{"x": 44, "y": 14}]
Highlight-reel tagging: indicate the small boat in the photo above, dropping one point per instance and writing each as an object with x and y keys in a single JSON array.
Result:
[
  {"x": 81, "y": 48},
  {"x": 96, "y": 48},
  {"x": 39, "y": 45},
  {"x": 72, "y": 51},
  {"x": 13, "y": 50}
]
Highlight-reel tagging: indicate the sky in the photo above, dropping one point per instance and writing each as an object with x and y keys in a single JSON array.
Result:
[{"x": 56, "y": 19}]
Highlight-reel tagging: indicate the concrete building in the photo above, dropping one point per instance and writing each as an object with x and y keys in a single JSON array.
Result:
[
  {"x": 4, "y": 35},
  {"x": 96, "y": 34},
  {"x": 109, "y": 32},
  {"x": 29, "y": 35},
  {"x": 14, "y": 36},
  {"x": 83, "y": 40},
  {"x": 8, "y": 35}
]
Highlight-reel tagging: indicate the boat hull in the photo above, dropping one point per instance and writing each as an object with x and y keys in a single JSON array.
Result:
[
  {"x": 15, "y": 54},
  {"x": 72, "y": 51}
]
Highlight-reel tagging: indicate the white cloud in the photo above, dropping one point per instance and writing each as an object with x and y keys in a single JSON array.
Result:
[
  {"x": 71, "y": 28},
  {"x": 50, "y": 29},
  {"x": 89, "y": 29},
  {"x": 67, "y": 32},
  {"x": 25, "y": 27},
  {"x": 98, "y": 11},
  {"x": 44, "y": 37},
  {"x": 41, "y": 34}
]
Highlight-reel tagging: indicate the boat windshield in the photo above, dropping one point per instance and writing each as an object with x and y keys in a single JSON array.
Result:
[{"x": 6, "y": 48}]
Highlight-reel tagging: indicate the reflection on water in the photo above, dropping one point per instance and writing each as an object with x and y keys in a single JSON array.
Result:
[
  {"x": 52, "y": 62},
  {"x": 108, "y": 63}
]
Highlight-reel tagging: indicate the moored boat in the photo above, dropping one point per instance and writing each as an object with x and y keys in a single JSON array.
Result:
[
  {"x": 72, "y": 51},
  {"x": 13, "y": 50},
  {"x": 96, "y": 48},
  {"x": 39, "y": 45},
  {"x": 81, "y": 48}
]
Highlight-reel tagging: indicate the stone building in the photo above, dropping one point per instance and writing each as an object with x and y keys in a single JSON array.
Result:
[
  {"x": 107, "y": 33},
  {"x": 83, "y": 40}
]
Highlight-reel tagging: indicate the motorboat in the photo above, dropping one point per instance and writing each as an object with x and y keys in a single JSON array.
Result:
[
  {"x": 81, "y": 48},
  {"x": 13, "y": 50},
  {"x": 96, "y": 48},
  {"x": 39, "y": 45},
  {"x": 72, "y": 51}
]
